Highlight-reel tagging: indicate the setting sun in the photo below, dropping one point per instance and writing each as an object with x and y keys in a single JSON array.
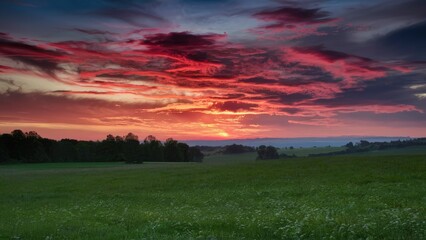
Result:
[{"x": 223, "y": 134}]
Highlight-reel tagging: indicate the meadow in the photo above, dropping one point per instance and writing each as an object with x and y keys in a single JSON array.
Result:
[{"x": 369, "y": 196}]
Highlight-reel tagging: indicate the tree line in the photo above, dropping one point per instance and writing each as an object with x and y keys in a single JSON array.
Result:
[
  {"x": 366, "y": 146},
  {"x": 263, "y": 152},
  {"x": 30, "y": 147}
]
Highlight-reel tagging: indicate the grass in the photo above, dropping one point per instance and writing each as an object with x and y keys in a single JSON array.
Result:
[
  {"x": 54, "y": 166},
  {"x": 251, "y": 156},
  {"x": 340, "y": 197},
  {"x": 304, "y": 152},
  {"x": 412, "y": 150},
  {"x": 231, "y": 158}
]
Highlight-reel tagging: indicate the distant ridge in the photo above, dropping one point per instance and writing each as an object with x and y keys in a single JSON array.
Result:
[{"x": 294, "y": 142}]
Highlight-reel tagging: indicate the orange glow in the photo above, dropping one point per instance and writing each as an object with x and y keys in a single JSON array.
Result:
[{"x": 223, "y": 134}]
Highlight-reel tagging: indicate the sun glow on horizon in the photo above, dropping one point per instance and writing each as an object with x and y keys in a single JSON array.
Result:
[{"x": 223, "y": 134}]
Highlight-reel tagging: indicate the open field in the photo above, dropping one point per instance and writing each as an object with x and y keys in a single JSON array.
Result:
[
  {"x": 412, "y": 150},
  {"x": 251, "y": 156},
  {"x": 340, "y": 197},
  {"x": 304, "y": 152}
]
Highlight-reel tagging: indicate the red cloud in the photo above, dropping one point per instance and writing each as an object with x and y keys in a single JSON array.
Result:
[{"x": 5, "y": 68}]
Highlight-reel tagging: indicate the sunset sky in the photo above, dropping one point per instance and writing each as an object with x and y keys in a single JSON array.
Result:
[{"x": 221, "y": 69}]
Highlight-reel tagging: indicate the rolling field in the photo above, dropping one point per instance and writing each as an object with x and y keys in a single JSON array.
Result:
[
  {"x": 339, "y": 197},
  {"x": 251, "y": 156},
  {"x": 406, "y": 151}
]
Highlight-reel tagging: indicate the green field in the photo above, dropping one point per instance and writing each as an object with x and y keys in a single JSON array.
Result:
[
  {"x": 251, "y": 156},
  {"x": 339, "y": 197},
  {"x": 413, "y": 150}
]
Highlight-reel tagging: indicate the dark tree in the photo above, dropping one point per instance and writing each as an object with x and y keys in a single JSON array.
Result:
[
  {"x": 132, "y": 149},
  {"x": 183, "y": 150},
  {"x": 195, "y": 154},
  {"x": 267, "y": 152},
  {"x": 364, "y": 143},
  {"x": 32, "y": 148},
  {"x": 109, "y": 150},
  {"x": 4, "y": 153},
  {"x": 237, "y": 149},
  {"x": 349, "y": 145},
  {"x": 131, "y": 137},
  {"x": 153, "y": 149},
  {"x": 170, "y": 150}
]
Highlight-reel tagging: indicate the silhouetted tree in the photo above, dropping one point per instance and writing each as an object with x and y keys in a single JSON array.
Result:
[
  {"x": 237, "y": 149},
  {"x": 108, "y": 150},
  {"x": 4, "y": 153},
  {"x": 32, "y": 148},
  {"x": 183, "y": 152},
  {"x": 171, "y": 151},
  {"x": 195, "y": 154},
  {"x": 153, "y": 149},
  {"x": 364, "y": 143},
  {"x": 131, "y": 137},
  {"x": 132, "y": 150},
  {"x": 267, "y": 152},
  {"x": 349, "y": 145}
]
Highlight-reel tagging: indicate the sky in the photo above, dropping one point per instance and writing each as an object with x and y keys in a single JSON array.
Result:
[{"x": 223, "y": 69}]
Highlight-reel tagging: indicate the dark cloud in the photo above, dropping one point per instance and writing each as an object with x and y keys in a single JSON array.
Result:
[
  {"x": 44, "y": 59},
  {"x": 233, "y": 106},
  {"x": 234, "y": 96},
  {"x": 372, "y": 30},
  {"x": 389, "y": 10},
  {"x": 137, "y": 13},
  {"x": 92, "y": 31},
  {"x": 181, "y": 40},
  {"x": 307, "y": 75},
  {"x": 258, "y": 80},
  {"x": 280, "y": 97},
  {"x": 119, "y": 76},
  {"x": 385, "y": 91},
  {"x": 292, "y": 98},
  {"x": 129, "y": 15},
  {"x": 230, "y": 96},
  {"x": 291, "y": 110},
  {"x": 407, "y": 42},
  {"x": 328, "y": 55},
  {"x": 199, "y": 56},
  {"x": 289, "y": 15},
  {"x": 291, "y": 19}
]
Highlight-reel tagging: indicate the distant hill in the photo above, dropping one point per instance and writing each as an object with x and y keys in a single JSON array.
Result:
[{"x": 295, "y": 142}]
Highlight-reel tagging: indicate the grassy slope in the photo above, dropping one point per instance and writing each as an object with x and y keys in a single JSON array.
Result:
[
  {"x": 345, "y": 197},
  {"x": 304, "y": 152},
  {"x": 413, "y": 150},
  {"x": 251, "y": 156}
]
